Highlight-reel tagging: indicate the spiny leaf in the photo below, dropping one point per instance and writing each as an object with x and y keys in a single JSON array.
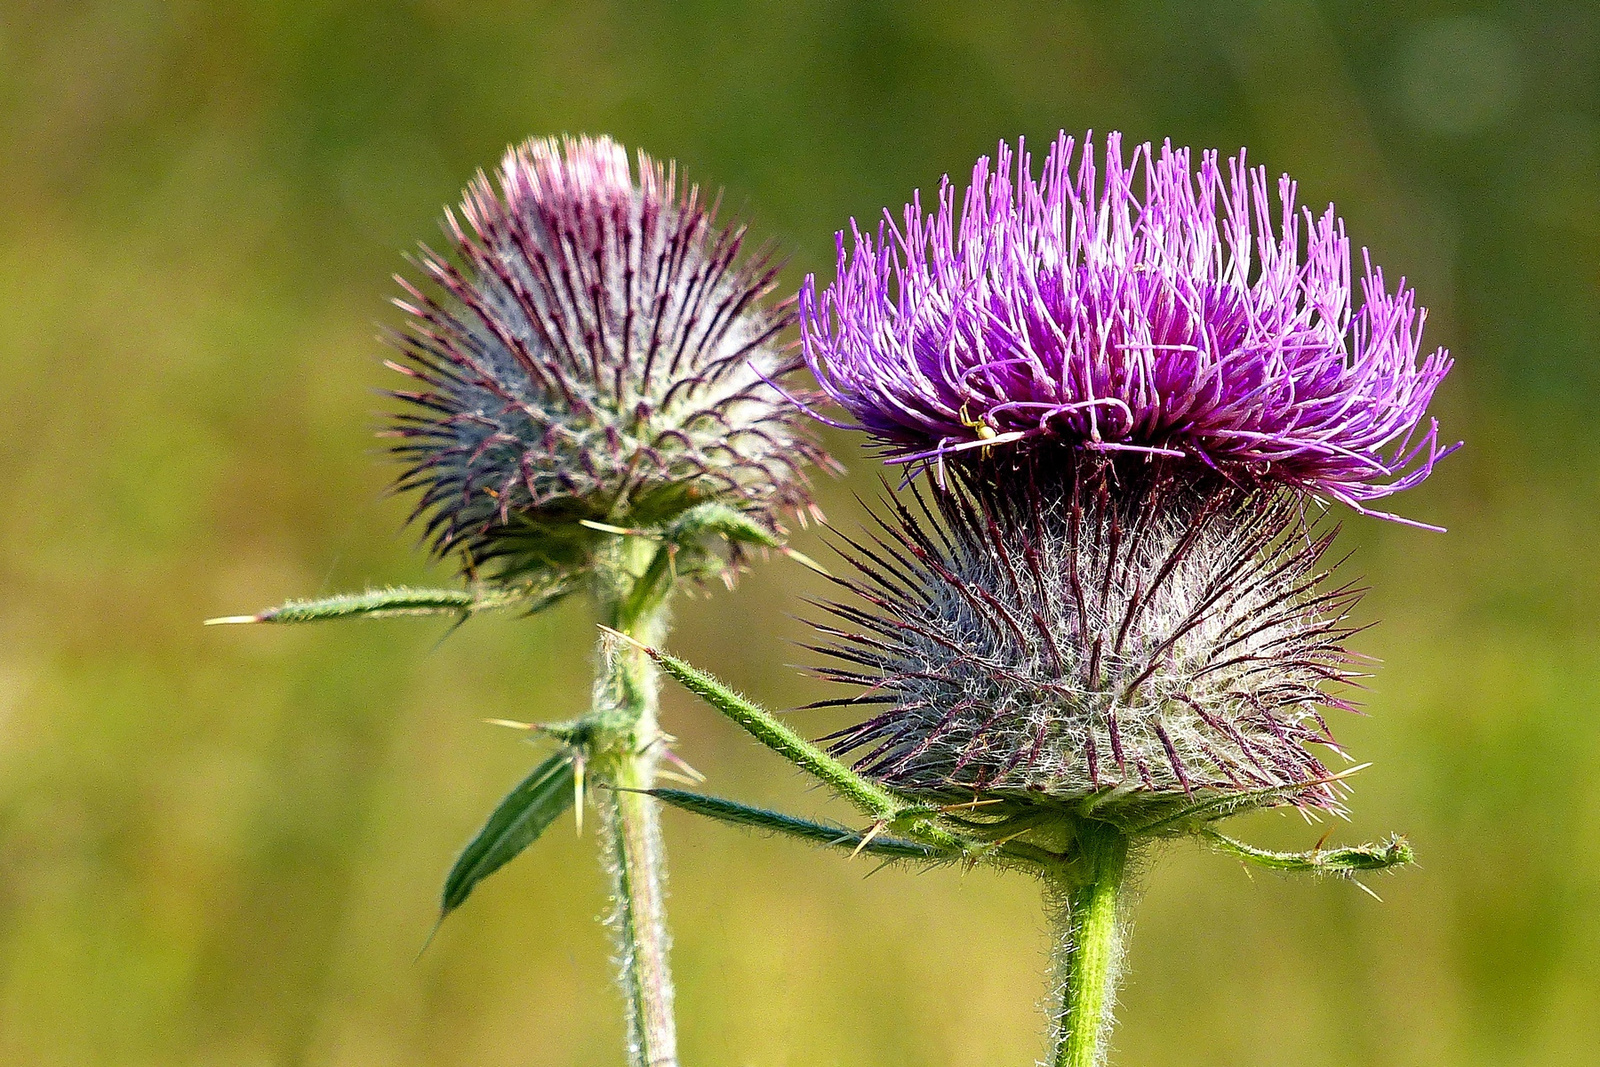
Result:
[
  {"x": 776, "y": 735},
  {"x": 1343, "y": 860},
  {"x": 384, "y": 603},
  {"x": 731, "y": 811},
  {"x": 537, "y": 801}
]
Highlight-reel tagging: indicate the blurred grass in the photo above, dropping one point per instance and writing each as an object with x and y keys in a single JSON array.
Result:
[{"x": 225, "y": 847}]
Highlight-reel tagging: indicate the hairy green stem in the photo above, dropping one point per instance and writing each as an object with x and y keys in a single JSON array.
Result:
[
  {"x": 1088, "y": 948},
  {"x": 633, "y": 601}
]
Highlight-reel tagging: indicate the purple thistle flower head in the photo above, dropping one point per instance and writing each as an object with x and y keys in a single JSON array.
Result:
[
  {"x": 1150, "y": 309},
  {"x": 600, "y": 351}
]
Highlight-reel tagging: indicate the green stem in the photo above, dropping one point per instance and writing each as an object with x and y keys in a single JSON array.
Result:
[
  {"x": 1089, "y": 948},
  {"x": 633, "y": 601}
]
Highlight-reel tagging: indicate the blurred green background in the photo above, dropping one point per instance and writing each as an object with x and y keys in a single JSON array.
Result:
[{"x": 224, "y": 847}]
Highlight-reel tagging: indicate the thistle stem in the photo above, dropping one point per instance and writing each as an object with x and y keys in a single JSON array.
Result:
[
  {"x": 636, "y": 864},
  {"x": 1088, "y": 948},
  {"x": 625, "y": 698}
]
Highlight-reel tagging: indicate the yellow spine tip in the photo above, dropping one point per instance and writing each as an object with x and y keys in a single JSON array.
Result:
[{"x": 618, "y": 635}]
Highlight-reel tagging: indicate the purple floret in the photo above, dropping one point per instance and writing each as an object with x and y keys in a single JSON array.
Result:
[{"x": 1164, "y": 312}]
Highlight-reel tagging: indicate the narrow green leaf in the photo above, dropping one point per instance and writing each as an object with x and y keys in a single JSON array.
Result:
[
  {"x": 776, "y": 735},
  {"x": 1343, "y": 860},
  {"x": 384, "y": 603},
  {"x": 539, "y": 800},
  {"x": 731, "y": 811},
  {"x": 737, "y": 527},
  {"x": 716, "y": 518}
]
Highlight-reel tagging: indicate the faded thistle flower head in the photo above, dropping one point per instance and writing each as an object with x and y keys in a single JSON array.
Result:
[
  {"x": 1151, "y": 308},
  {"x": 1139, "y": 381},
  {"x": 598, "y": 349}
]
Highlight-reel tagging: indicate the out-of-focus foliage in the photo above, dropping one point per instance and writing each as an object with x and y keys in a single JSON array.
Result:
[{"x": 224, "y": 845}]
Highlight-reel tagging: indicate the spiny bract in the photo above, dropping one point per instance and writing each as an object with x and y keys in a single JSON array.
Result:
[
  {"x": 601, "y": 352},
  {"x": 1063, "y": 632}
]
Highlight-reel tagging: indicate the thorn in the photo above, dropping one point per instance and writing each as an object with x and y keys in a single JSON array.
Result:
[
  {"x": 620, "y": 531},
  {"x": 1367, "y": 890},
  {"x": 618, "y": 635},
  {"x": 458, "y": 624},
  {"x": 804, "y": 560},
  {"x": 233, "y": 620},
  {"x": 431, "y": 934},
  {"x": 973, "y": 803},
  {"x": 674, "y": 776},
  {"x": 866, "y": 838},
  {"x": 511, "y": 724},
  {"x": 878, "y": 868},
  {"x": 695, "y": 776}
]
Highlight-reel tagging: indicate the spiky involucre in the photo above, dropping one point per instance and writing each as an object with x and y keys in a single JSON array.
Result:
[
  {"x": 1109, "y": 628},
  {"x": 602, "y": 352}
]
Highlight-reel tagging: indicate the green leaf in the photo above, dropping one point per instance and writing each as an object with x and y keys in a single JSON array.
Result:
[
  {"x": 385, "y": 603},
  {"x": 767, "y": 728},
  {"x": 716, "y": 518},
  {"x": 539, "y": 800},
  {"x": 1342, "y": 860},
  {"x": 731, "y": 811},
  {"x": 738, "y": 528}
]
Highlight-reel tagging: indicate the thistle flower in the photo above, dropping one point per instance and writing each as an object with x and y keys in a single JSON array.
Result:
[
  {"x": 1072, "y": 656},
  {"x": 1115, "y": 623},
  {"x": 1047, "y": 635},
  {"x": 601, "y": 353},
  {"x": 1176, "y": 319},
  {"x": 595, "y": 406}
]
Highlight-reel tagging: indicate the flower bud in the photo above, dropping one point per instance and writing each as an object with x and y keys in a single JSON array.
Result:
[{"x": 598, "y": 351}]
